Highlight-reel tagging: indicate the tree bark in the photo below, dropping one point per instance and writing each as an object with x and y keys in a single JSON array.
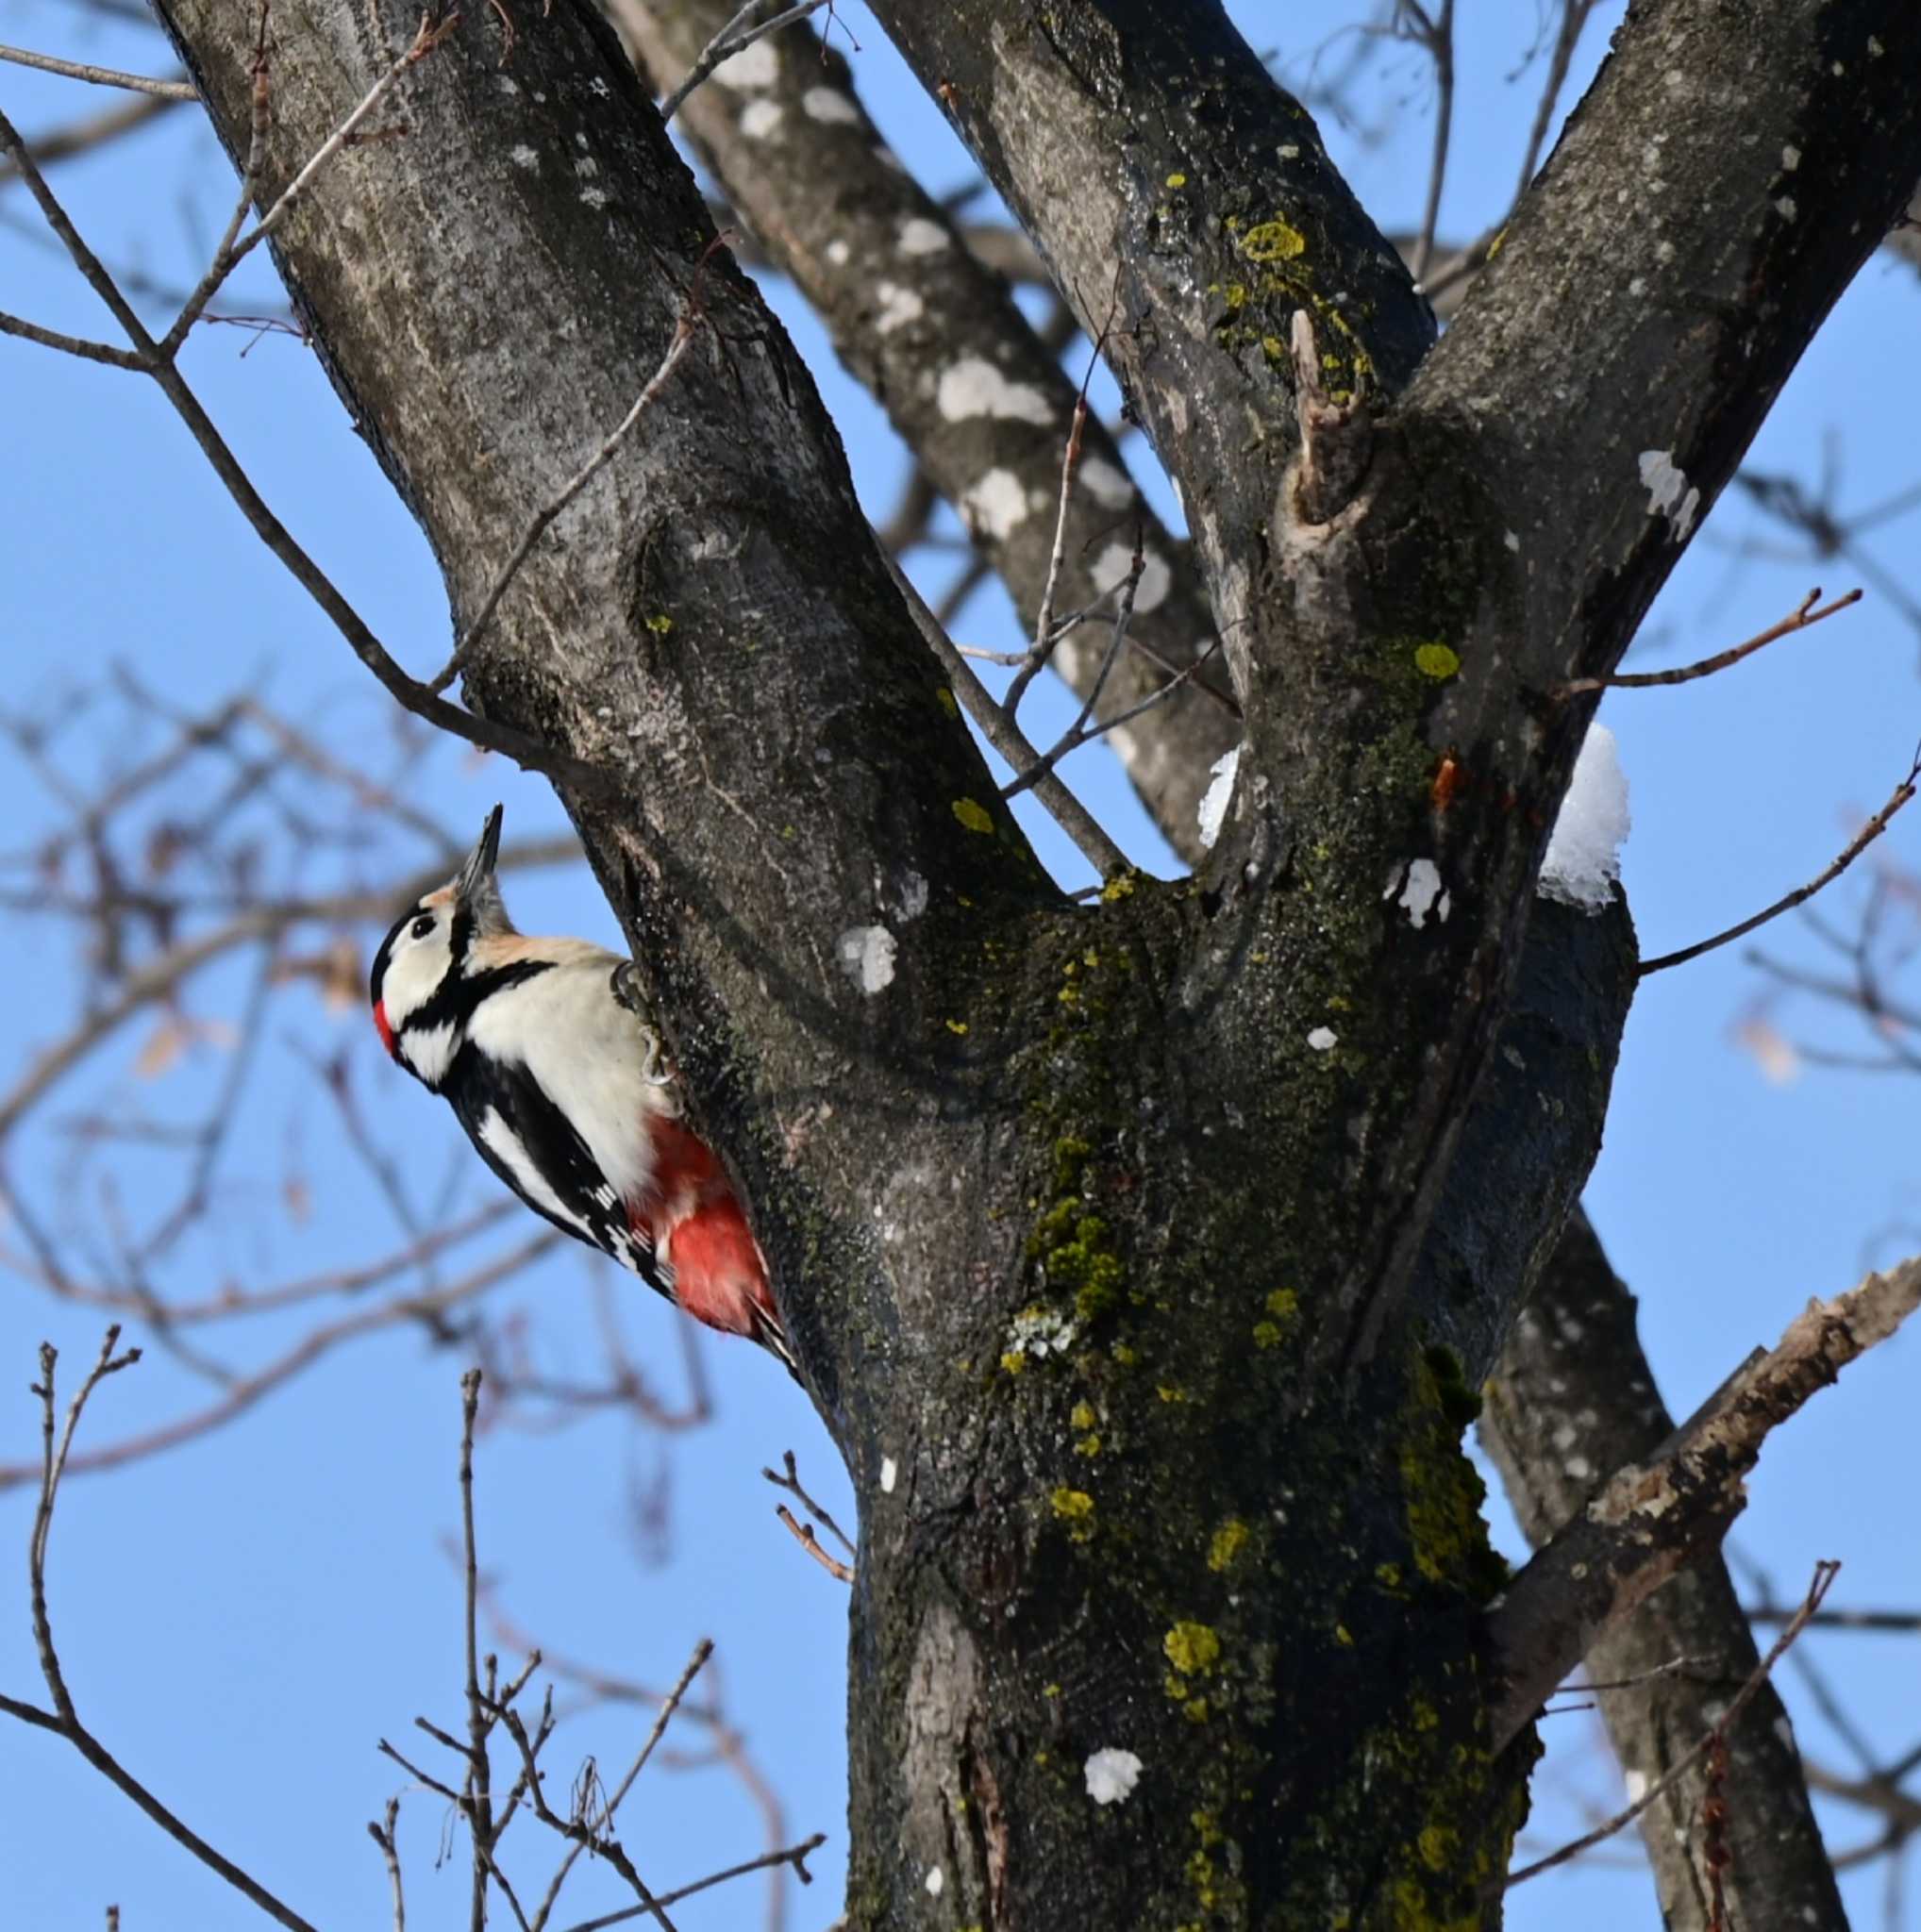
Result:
[{"x": 1105, "y": 1234}]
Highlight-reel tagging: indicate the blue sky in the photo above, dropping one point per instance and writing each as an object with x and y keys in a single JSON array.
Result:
[{"x": 245, "y": 1616}]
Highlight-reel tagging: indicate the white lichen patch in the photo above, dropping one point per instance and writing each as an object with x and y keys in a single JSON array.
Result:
[
  {"x": 586, "y": 167},
  {"x": 758, "y": 119},
  {"x": 899, "y": 307},
  {"x": 1112, "y": 1776},
  {"x": 1110, "y": 488},
  {"x": 1421, "y": 893},
  {"x": 829, "y": 104},
  {"x": 1112, "y": 565},
  {"x": 750, "y": 70},
  {"x": 994, "y": 505},
  {"x": 1791, "y": 159},
  {"x": 523, "y": 156},
  {"x": 1669, "y": 493},
  {"x": 1784, "y": 206},
  {"x": 867, "y": 956},
  {"x": 595, "y": 198},
  {"x": 1324, "y": 1039},
  {"x": 1040, "y": 1332},
  {"x": 838, "y": 252},
  {"x": 936, "y": 1881},
  {"x": 1511, "y": 538},
  {"x": 919, "y": 236},
  {"x": 973, "y": 387},
  {"x": 913, "y": 897},
  {"x": 890, "y": 1475}
]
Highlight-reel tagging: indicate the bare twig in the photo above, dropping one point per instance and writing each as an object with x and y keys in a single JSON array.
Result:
[
  {"x": 480, "y": 1812},
  {"x": 1046, "y": 635},
  {"x": 1435, "y": 34},
  {"x": 1006, "y": 737},
  {"x": 248, "y": 1389},
  {"x": 790, "y": 1483},
  {"x": 383, "y": 1835},
  {"x": 804, "y": 1536},
  {"x": 416, "y": 697},
  {"x": 537, "y": 524},
  {"x": 82, "y": 137},
  {"x": 729, "y": 42},
  {"x": 56, "y": 1456},
  {"x": 100, "y": 76},
  {"x": 1856, "y": 846},
  {"x": 1804, "y": 615},
  {"x": 1825, "y": 1573},
  {"x": 795, "y": 1856}
]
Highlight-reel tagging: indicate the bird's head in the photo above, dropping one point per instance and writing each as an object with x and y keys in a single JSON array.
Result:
[{"x": 419, "y": 971}]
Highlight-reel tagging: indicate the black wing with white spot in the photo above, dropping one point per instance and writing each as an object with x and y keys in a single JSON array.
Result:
[{"x": 519, "y": 1132}]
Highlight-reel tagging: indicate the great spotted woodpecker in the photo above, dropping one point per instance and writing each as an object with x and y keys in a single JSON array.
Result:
[{"x": 544, "y": 1052}]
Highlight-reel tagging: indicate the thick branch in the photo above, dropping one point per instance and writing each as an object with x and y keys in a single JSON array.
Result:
[
  {"x": 1653, "y": 1516},
  {"x": 1574, "y": 1397},
  {"x": 976, "y": 392}
]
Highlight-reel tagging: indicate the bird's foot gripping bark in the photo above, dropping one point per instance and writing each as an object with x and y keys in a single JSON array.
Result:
[{"x": 624, "y": 983}]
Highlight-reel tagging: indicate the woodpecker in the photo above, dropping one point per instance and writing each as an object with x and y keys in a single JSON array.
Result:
[{"x": 544, "y": 1052}]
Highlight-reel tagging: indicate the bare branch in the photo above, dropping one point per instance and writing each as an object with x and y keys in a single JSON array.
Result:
[
  {"x": 1006, "y": 737},
  {"x": 1804, "y": 615},
  {"x": 1801, "y": 895},
  {"x": 100, "y": 76},
  {"x": 729, "y": 42},
  {"x": 803, "y": 1534},
  {"x": 1825, "y": 1573},
  {"x": 54, "y": 1459},
  {"x": 383, "y": 1835},
  {"x": 1651, "y": 1517},
  {"x": 792, "y": 1855}
]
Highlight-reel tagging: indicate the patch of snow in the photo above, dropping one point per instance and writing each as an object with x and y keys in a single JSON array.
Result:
[
  {"x": 890, "y": 1470},
  {"x": 758, "y": 119},
  {"x": 1636, "y": 1782},
  {"x": 973, "y": 387},
  {"x": 523, "y": 156},
  {"x": 937, "y": 1881},
  {"x": 1324, "y": 1039},
  {"x": 838, "y": 252},
  {"x": 1112, "y": 1776},
  {"x": 1583, "y": 861},
  {"x": 1213, "y": 805}
]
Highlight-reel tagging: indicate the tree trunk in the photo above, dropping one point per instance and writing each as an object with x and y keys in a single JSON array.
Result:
[{"x": 1142, "y": 1258}]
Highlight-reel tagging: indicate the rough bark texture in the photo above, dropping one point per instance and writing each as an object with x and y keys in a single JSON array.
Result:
[
  {"x": 1574, "y": 1401},
  {"x": 1117, "y": 1242}
]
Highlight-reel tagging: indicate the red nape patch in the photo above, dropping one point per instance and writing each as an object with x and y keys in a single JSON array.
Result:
[{"x": 386, "y": 1031}]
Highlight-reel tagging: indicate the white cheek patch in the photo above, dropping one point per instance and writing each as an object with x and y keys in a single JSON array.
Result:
[
  {"x": 501, "y": 1141},
  {"x": 429, "y": 1051}
]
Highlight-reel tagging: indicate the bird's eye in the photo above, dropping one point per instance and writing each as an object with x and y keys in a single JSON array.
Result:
[{"x": 423, "y": 926}]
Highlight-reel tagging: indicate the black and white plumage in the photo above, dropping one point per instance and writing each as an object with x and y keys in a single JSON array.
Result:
[{"x": 541, "y": 1048}]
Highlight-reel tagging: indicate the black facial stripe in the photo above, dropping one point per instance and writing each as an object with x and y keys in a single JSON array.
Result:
[
  {"x": 384, "y": 957},
  {"x": 461, "y": 934},
  {"x": 457, "y": 996}
]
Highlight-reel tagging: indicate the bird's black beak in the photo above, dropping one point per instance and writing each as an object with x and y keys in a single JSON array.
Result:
[{"x": 477, "y": 873}]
